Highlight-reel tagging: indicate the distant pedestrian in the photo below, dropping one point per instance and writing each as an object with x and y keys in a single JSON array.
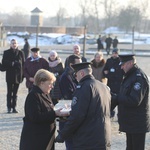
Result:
[
  {"x": 100, "y": 46},
  {"x": 32, "y": 65},
  {"x": 115, "y": 42},
  {"x": 13, "y": 62},
  {"x": 133, "y": 104},
  {"x": 108, "y": 42},
  {"x": 26, "y": 48},
  {"x": 76, "y": 51}
]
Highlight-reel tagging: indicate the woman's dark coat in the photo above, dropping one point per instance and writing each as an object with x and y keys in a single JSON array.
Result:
[
  {"x": 39, "y": 121},
  {"x": 57, "y": 70}
]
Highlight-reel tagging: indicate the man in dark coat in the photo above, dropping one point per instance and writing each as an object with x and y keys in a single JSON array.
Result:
[
  {"x": 32, "y": 65},
  {"x": 108, "y": 42},
  {"x": 99, "y": 44},
  {"x": 115, "y": 42},
  {"x": 133, "y": 104},
  {"x": 26, "y": 48},
  {"x": 13, "y": 61},
  {"x": 113, "y": 72},
  {"x": 89, "y": 121},
  {"x": 68, "y": 85}
]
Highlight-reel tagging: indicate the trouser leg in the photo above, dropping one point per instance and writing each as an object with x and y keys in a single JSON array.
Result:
[
  {"x": 9, "y": 96},
  {"x": 14, "y": 97},
  {"x": 135, "y": 141}
]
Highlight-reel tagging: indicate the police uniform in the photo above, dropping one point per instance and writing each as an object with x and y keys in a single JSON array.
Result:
[
  {"x": 133, "y": 107},
  {"x": 89, "y": 121}
]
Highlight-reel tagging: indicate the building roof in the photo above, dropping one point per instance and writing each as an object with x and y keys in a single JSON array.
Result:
[{"x": 36, "y": 10}]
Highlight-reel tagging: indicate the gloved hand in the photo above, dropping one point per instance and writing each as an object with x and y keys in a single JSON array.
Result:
[{"x": 59, "y": 138}]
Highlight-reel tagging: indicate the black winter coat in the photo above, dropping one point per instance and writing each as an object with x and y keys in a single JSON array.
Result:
[
  {"x": 115, "y": 74},
  {"x": 14, "y": 73},
  {"x": 133, "y": 102},
  {"x": 67, "y": 84},
  {"x": 39, "y": 121},
  {"x": 57, "y": 70},
  {"x": 89, "y": 121}
]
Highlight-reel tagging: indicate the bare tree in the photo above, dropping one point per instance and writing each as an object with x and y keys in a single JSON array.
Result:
[
  {"x": 61, "y": 14},
  {"x": 18, "y": 17},
  {"x": 84, "y": 5},
  {"x": 110, "y": 7}
]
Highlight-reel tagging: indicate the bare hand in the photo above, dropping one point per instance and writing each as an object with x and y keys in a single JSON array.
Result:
[
  {"x": 31, "y": 79},
  {"x": 59, "y": 113}
]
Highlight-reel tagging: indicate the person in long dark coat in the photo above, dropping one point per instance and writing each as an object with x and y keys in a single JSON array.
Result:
[
  {"x": 26, "y": 48},
  {"x": 68, "y": 85},
  {"x": 115, "y": 42},
  {"x": 113, "y": 72},
  {"x": 13, "y": 61},
  {"x": 133, "y": 104},
  {"x": 89, "y": 120},
  {"x": 55, "y": 66},
  {"x": 100, "y": 46},
  {"x": 108, "y": 42},
  {"x": 38, "y": 132}
]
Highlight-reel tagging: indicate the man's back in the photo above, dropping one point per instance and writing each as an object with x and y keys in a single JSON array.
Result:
[{"x": 90, "y": 116}]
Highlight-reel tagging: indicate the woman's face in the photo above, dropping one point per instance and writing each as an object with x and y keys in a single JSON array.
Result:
[
  {"x": 98, "y": 58},
  {"x": 46, "y": 86},
  {"x": 52, "y": 57}
]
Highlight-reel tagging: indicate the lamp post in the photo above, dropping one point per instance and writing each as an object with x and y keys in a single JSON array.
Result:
[
  {"x": 133, "y": 39},
  {"x": 84, "y": 42},
  {"x": 37, "y": 34}
]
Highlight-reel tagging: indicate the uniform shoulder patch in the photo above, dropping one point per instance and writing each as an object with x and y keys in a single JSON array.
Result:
[
  {"x": 74, "y": 101},
  {"x": 138, "y": 75},
  {"x": 137, "y": 86}
]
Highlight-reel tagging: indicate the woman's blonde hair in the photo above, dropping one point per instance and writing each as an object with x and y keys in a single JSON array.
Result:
[
  {"x": 98, "y": 53},
  {"x": 43, "y": 75}
]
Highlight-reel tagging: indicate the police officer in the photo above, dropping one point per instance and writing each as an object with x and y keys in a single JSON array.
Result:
[
  {"x": 113, "y": 72},
  {"x": 132, "y": 101},
  {"x": 89, "y": 121}
]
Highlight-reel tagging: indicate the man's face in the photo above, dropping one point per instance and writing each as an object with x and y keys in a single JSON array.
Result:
[
  {"x": 114, "y": 55},
  {"x": 14, "y": 44},
  {"x": 76, "y": 50},
  {"x": 126, "y": 66}
]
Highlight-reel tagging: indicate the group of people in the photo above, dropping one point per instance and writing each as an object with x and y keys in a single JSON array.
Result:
[
  {"x": 109, "y": 42},
  {"x": 95, "y": 88}
]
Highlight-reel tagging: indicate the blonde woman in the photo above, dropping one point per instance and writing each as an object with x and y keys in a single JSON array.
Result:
[
  {"x": 98, "y": 64},
  {"x": 39, "y": 121}
]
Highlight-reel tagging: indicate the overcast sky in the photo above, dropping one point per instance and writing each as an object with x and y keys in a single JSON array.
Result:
[{"x": 47, "y": 6}]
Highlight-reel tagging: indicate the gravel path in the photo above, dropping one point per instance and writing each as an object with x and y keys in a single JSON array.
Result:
[{"x": 11, "y": 124}]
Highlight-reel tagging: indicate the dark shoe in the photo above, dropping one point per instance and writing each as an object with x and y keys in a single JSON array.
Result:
[
  {"x": 9, "y": 110},
  {"x": 14, "y": 111}
]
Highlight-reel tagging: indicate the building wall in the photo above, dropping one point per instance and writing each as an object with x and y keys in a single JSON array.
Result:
[{"x": 33, "y": 29}]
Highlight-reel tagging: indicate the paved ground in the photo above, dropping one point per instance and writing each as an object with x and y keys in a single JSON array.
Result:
[{"x": 11, "y": 124}]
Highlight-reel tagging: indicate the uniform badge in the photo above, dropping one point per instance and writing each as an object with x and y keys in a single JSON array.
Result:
[
  {"x": 74, "y": 101},
  {"x": 78, "y": 86},
  {"x": 137, "y": 86}
]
